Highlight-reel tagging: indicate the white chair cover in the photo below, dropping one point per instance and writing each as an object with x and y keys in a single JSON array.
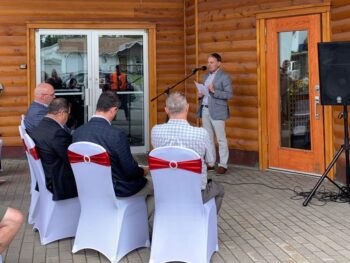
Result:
[
  {"x": 113, "y": 226},
  {"x": 184, "y": 228},
  {"x": 0, "y": 153},
  {"x": 22, "y": 122},
  {"x": 56, "y": 219},
  {"x": 34, "y": 202}
]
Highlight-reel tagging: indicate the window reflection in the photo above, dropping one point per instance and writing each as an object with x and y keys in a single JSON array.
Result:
[
  {"x": 64, "y": 65},
  {"x": 121, "y": 70},
  {"x": 294, "y": 90}
]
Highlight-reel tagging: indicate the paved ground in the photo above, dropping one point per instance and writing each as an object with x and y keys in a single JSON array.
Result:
[{"x": 262, "y": 220}]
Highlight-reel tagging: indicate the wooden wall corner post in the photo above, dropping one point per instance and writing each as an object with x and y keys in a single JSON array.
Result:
[
  {"x": 152, "y": 79},
  {"x": 198, "y": 121},
  {"x": 261, "y": 86},
  {"x": 31, "y": 77},
  {"x": 327, "y": 110}
]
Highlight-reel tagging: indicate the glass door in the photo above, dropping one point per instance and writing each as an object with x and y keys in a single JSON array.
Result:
[
  {"x": 121, "y": 67},
  {"x": 295, "y": 119},
  {"x": 80, "y": 64}
]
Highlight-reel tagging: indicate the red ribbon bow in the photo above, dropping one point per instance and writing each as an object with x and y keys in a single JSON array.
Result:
[
  {"x": 33, "y": 152},
  {"x": 191, "y": 165},
  {"x": 101, "y": 158}
]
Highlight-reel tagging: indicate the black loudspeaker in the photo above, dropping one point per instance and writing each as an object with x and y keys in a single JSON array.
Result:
[{"x": 334, "y": 69}]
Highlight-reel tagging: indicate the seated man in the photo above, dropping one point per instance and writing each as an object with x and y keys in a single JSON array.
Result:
[
  {"x": 43, "y": 95},
  {"x": 178, "y": 132},
  {"x": 52, "y": 141},
  {"x": 10, "y": 223},
  {"x": 128, "y": 178}
]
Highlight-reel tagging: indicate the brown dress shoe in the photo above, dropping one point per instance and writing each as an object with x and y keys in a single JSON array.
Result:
[
  {"x": 221, "y": 170},
  {"x": 210, "y": 168}
]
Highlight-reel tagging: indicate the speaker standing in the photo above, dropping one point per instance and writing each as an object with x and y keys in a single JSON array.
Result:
[{"x": 214, "y": 110}]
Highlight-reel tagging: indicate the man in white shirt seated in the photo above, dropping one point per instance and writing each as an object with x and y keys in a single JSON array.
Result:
[{"x": 178, "y": 132}]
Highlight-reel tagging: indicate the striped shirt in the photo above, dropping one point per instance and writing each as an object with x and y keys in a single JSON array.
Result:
[{"x": 178, "y": 132}]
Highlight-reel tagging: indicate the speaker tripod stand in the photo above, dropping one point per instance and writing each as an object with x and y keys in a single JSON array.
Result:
[{"x": 345, "y": 147}]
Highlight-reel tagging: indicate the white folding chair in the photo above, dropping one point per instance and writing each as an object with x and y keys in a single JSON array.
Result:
[
  {"x": 56, "y": 219},
  {"x": 22, "y": 122},
  {"x": 113, "y": 226},
  {"x": 34, "y": 202},
  {"x": 184, "y": 228}
]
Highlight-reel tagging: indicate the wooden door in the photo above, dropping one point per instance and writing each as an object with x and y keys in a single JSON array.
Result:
[{"x": 295, "y": 119}]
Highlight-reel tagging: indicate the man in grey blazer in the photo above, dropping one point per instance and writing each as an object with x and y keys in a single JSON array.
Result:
[
  {"x": 214, "y": 110},
  {"x": 43, "y": 95}
]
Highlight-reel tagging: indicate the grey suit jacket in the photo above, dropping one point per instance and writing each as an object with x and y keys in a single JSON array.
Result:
[
  {"x": 217, "y": 102},
  {"x": 34, "y": 115}
]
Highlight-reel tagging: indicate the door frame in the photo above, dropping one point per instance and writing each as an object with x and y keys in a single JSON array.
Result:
[
  {"x": 96, "y": 25},
  {"x": 323, "y": 10}
]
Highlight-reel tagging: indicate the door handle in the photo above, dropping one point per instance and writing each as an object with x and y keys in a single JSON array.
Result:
[{"x": 317, "y": 102}]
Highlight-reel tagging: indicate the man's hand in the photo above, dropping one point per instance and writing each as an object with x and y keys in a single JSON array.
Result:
[
  {"x": 145, "y": 170},
  {"x": 211, "y": 88},
  {"x": 200, "y": 95}
]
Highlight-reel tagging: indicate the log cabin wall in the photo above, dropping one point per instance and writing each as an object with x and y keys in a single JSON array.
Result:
[
  {"x": 187, "y": 31},
  {"x": 340, "y": 31},
  {"x": 168, "y": 17},
  {"x": 229, "y": 28}
]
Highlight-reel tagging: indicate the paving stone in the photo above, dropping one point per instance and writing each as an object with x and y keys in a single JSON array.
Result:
[{"x": 256, "y": 223}]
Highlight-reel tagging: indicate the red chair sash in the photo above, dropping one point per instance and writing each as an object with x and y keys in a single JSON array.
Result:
[
  {"x": 101, "y": 158},
  {"x": 33, "y": 152},
  {"x": 191, "y": 165}
]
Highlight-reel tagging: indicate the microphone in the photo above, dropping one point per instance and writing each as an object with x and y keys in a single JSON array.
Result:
[{"x": 200, "y": 68}]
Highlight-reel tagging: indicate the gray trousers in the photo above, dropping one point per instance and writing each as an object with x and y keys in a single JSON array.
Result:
[
  {"x": 215, "y": 190},
  {"x": 217, "y": 127}
]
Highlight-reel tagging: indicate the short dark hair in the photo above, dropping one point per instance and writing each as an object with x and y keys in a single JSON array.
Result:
[
  {"x": 107, "y": 100},
  {"x": 216, "y": 56},
  {"x": 58, "y": 105}
]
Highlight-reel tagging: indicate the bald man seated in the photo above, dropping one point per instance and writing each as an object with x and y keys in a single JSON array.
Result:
[{"x": 44, "y": 93}]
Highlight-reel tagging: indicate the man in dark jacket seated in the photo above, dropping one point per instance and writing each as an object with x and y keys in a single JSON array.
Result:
[
  {"x": 128, "y": 178},
  {"x": 52, "y": 141}
]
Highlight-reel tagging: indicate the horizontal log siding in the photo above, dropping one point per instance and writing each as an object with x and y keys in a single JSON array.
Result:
[
  {"x": 234, "y": 37},
  {"x": 191, "y": 52},
  {"x": 229, "y": 28},
  {"x": 167, "y": 15},
  {"x": 340, "y": 31}
]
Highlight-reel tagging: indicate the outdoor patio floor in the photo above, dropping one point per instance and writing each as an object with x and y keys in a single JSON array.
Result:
[{"x": 261, "y": 220}]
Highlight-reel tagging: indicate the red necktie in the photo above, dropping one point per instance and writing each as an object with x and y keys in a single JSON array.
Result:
[
  {"x": 101, "y": 158},
  {"x": 191, "y": 165}
]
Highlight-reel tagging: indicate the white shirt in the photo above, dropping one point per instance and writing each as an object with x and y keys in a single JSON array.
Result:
[
  {"x": 207, "y": 82},
  {"x": 178, "y": 132}
]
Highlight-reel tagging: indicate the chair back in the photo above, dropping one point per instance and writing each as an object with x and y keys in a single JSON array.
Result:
[
  {"x": 176, "y": 188},
  {"x": 22, "y": 121},
  {"x": 120, "y": 225},
  {"x": 184, "y": 228},
  {"x": 56, "y": 219},
  {"x": 36, "y": 164},
  {"x": 94, "y": 181},
  {"x": 34, "y": 194}
]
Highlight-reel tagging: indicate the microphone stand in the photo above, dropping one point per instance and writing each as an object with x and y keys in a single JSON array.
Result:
[{"x": 167, "y": 91}]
